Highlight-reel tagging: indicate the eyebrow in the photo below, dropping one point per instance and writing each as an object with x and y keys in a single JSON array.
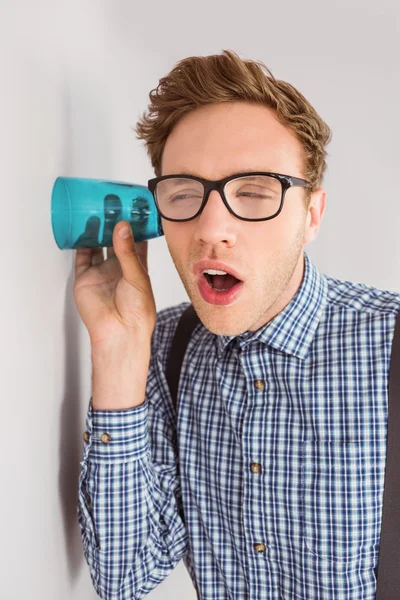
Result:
[{"x": 243, "y": 170}]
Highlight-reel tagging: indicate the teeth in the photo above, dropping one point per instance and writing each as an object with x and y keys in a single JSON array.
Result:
[{"x": 214, "y": 272}]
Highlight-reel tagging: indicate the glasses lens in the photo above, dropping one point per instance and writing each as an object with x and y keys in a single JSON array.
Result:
[
  {"x": 179, "y": 198},
  {"x": 250, "y": 197},
  {"x": 254, "y": 196}
]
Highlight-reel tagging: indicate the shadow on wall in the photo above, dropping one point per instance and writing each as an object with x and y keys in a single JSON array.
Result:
[
  {"x": 86, "y": 145},
  {"x": 71, "y": 440}
]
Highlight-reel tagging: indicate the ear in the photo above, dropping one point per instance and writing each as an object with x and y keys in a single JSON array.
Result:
[{"x": 315, "y": 212}]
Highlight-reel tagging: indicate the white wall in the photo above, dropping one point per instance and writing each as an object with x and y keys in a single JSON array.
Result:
[{"x": 75, "y": 75}]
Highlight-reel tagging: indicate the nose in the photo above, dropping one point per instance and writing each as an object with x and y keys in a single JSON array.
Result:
[{"x": 216, "y": 224}]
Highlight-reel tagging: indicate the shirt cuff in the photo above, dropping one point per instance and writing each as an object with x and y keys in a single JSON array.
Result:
[{"x": 116, "y": 436}]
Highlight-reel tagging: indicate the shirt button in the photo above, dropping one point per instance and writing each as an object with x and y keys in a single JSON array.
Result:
[
  {"x": 86, "y": 436},
  {"x": 255, "y": 467},
  {"x": 259, "y": 547},
  {"x": 105, "y": 438},
  {"x": 259, "y": 384}
]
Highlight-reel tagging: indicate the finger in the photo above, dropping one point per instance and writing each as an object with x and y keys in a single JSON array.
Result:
[
  {"x": 126, "y": 252},
  {"x": 141, "y": 250},
  {"x": 83, "y": 260},
  {"x": 97, "y": 257}
]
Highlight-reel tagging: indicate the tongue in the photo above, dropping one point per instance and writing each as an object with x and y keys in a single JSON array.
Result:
[{"x": 223, "y": 282}]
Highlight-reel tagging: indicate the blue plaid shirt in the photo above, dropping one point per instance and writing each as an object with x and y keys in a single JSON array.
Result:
[{"x": 281, "y": 439}]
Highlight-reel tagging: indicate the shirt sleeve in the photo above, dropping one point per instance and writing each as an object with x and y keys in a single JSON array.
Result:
[{"x": 129, "y": 500}]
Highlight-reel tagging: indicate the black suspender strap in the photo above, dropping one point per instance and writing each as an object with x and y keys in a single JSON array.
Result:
[
  {"x": 388, "y": 587},
  {"x": 187, "y": 323},
  {"x": 183, "y": 331}
]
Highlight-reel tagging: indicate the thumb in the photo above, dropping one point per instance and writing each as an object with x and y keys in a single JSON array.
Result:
[{"x": 124, "y": 246}]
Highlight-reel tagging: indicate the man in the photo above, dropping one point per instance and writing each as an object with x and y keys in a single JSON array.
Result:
[{"x": 268, "y": 479}]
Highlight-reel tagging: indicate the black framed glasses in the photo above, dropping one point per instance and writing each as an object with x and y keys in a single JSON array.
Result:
[{"x": 257, "y": 196}]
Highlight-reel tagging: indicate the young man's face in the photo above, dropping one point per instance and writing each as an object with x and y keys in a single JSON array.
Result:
[{"x": 214, "y": 142}]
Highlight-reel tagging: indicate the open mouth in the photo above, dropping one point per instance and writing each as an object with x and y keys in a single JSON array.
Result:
[{"x": 221, "y": 283}]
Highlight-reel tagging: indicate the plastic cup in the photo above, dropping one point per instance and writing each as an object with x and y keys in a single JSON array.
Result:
[{"x": 84, "y": 212}]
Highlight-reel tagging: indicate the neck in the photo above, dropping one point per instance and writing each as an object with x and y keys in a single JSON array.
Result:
[{"x": 287, "y": 295}]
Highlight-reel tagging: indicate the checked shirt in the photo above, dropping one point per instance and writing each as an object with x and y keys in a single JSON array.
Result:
[{"x": 268, "y": 480}]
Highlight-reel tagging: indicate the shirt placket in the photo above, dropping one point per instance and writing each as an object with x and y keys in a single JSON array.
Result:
[{"x": 256, "y": 477}]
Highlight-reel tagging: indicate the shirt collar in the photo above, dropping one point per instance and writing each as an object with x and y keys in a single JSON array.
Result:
[{"x": 293, "y": 329}]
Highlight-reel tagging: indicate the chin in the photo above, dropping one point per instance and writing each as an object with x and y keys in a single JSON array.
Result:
[
  {"x": 220, "y": 320},
  {"x": 225, "y": 331}
]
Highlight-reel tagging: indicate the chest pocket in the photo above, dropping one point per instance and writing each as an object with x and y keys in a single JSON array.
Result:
[{"x": 342, "y": 500}]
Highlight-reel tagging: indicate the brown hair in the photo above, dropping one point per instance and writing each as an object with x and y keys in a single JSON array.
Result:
[{"x": 202, "y": 80}]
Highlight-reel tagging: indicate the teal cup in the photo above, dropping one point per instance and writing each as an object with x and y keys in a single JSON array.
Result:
[{"x": 84, "y": 212}]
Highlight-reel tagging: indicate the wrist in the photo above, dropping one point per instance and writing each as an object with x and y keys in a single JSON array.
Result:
[{"x": 119, "y": 375}]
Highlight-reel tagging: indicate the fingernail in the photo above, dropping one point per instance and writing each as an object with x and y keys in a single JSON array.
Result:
[{"x": 124, "y": 232}]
